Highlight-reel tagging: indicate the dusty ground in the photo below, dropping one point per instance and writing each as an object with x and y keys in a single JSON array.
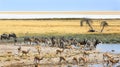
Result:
[{"x": 48, "y": 52}]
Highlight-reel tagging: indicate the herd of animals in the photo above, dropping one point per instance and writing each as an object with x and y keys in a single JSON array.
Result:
[
  {"x": 62, "y": 43},
  {"x": 8, "y": 36},
  {"x": 108, "y": 58},
  {"x": 53, "y": 41}
]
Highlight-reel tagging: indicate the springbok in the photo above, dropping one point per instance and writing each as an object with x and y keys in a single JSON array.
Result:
[
  {"x": 107, "y": 55},
  {"x": 68, "y": 47},
  {"x": 37, "y": 65},
  {"x": 59, "y": 51},
  {"x": 86, "y": 53},
  {"x": 25, "y": 52},
  {"x": 112, "y": 60},
  {"x": 38, "y": 49},
  {"x": 75, "y": 59},
  {"x": 62, "y": 58},
  {"x": 37, "y": 59},
  {"x": 19, "y": 49},
  {"x": 84, "y": 59}
]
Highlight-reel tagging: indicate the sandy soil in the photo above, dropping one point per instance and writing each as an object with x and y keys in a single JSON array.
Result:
[{"x": 48, "y": 52}]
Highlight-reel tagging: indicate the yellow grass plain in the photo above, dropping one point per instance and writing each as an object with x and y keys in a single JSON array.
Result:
[{"x": 55, "y": 26}]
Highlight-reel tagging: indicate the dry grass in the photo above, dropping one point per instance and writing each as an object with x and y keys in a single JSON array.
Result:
[{"x": 54, "y": 26}]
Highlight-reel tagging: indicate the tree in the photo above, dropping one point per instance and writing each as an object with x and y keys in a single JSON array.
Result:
[
  {"x": 88, "y": 22},
  {"x": 103, "y": 24}
]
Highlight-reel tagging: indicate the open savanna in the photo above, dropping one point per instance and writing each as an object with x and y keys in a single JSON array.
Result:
[{"x": 55, "y": 26}]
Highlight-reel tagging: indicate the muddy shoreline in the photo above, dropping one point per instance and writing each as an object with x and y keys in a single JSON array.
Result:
[{"x": 51, "y": 58}]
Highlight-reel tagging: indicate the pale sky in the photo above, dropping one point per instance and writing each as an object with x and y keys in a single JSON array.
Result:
[
  {"x": 59, "y": 5},
  {"x": 30, "y": 16}
]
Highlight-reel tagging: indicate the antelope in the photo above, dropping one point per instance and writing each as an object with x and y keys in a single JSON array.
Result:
[
  {"x": 75, "y": 59},
  {"x": 9, "y": 54},
  {"x": 68, "y": 47},
  {"x": 62, "y": 58},
  {"x": 25, "y": 52},
  {"x": 37, "y": 65},
  {"x": 84, "y": 59},
  {"x": 59, "y": 51},
  {"x": 106, "y": 55},
  {"x": 38, "y": 59},
  {"x": 19, "y": 49},
  {"x": 38, "y": 49},
  {"x": 82, "y": 46},
  {"x": 86, "y": 53},
  {"x": 113, "y": 61}
]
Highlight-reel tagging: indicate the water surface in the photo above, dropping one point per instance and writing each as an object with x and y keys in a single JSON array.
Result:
[{"x": 109, "y": 48}]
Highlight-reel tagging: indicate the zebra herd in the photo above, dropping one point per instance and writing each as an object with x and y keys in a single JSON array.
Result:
[
  {"x": 62, "y": 42},
  {"x": 53, "y": 41}
]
